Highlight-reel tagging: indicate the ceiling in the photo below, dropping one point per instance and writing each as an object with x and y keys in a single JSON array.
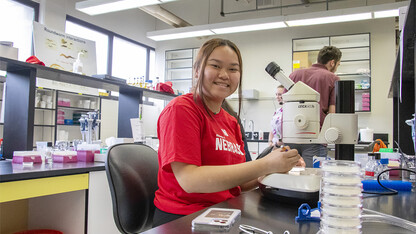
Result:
[{"x": 229, "y": 10}]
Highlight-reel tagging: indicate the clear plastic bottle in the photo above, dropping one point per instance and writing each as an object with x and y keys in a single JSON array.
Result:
[
  {"x": 370, "y": 167},
  {"x": 141, "y": 82},
  {"x": 384, "y": 166},
  {"x": 378, "y": 167},
  {"x": 156, "y": 83},
  {"x": 149, "y": 84}
]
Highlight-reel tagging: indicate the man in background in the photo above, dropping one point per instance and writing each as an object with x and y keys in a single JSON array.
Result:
[{"x": 320, "y": 76}]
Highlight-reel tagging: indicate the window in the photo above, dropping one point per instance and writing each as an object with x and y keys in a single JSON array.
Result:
[
  {"x": 116, "y": 55},
  {"x": 101, "y": 43},
  {"x": 129, "y": 59},
  {"x": 16, "y": 19}
]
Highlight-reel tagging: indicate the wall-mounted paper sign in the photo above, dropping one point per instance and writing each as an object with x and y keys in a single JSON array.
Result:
[{"x": 60, "y": 50}]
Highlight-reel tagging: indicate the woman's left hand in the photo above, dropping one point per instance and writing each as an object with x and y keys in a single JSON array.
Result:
[{"x": 301, "y": 163}]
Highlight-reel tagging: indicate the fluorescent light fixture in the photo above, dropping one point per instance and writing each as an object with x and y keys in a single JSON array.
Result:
[
  {"x": 385, "y": 14},
  {"x": 96, "y": 7},
  {"x": 246, "y": 28},
  {"x": 312, "y": 18},
  {"x": 172, "y": 36},
  {"x": 330, "y": 19}
]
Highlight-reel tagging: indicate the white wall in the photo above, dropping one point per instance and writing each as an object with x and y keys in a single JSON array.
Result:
[{"x": 259, "y": 48}]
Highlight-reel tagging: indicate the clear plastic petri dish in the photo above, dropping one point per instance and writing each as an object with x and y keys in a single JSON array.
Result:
[
  {"x": 328, "y": 229},
  {"x": 340, "y": 222},
  {"x": 341, "y": 200},
  {"x": 336, "y": 189},
  {"x": 341, "y": 166},
  {"x": 341, "y": 211},
  {"x": 341, "y": 178}
]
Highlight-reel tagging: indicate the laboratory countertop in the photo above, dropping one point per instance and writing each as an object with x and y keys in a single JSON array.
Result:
[
  {"x": 13, "y": 172},
  {"x": 265, "y": 141},
  {"x": 271, "y": 215}
]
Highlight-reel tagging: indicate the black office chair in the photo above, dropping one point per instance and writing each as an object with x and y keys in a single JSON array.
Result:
[{"x": 132, "y": 176}]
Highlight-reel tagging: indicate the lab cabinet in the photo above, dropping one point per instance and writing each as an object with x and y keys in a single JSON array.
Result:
[
  {"x": 70, "y": 108},
  {"x": 178, "y": 68},
  {"x": 44, "y": 119},
  {"x": 355, "y": 61},
  {"x": 57, "y": 114}
]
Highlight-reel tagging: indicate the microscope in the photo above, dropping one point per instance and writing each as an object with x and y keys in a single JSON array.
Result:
[{"x": 301, "y": 125}]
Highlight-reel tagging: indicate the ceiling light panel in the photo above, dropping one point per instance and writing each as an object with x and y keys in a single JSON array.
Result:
[
  {"x": 96, "y": 7},
  {"x": 172, "y": 36},
  {"x": 246, "y": 28},
  {"x": 385, "y": 14},
  {"x": 329, "y": 19}
]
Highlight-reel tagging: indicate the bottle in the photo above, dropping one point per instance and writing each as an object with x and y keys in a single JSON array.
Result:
[
  {"x": 384, "y": 162},
  {"x": 77, "y": 66},
  {"x": 150, "y": 84},
  {"x": 156, "y": 83},
  {"x": 141, "y": 82},
  {"x": 378, "y": 166},
  {"x": 370, "y": 167}
]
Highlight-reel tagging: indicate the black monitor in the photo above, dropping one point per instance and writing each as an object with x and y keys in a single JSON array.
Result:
[{"x": 403, "y": 84}]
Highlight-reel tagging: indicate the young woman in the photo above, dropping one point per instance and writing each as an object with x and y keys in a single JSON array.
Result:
[{"x": 201, "y": 152}]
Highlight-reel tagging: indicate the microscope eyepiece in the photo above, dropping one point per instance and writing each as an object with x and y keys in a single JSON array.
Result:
[{"x": 272, "y": 69}]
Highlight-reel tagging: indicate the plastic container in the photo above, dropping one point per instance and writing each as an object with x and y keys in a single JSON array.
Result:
[
  {"x": 23, "y": 157},
  {"x": 341, "y": 197},
  {"x": 64, "y": 156}
]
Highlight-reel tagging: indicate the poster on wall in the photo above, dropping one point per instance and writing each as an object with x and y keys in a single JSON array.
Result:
[{"x": 61, "y": 50}]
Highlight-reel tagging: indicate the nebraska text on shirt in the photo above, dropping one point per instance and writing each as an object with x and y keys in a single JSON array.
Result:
[{"x": 222, "y": 144}]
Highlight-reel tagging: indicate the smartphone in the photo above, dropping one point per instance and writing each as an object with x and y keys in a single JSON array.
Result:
[{"x": 216, "y": 219}]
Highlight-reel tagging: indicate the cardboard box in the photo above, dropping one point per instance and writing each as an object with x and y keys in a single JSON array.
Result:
[
  {"x": 301, "y": 60},
  {"x": 8, "y": 52}
]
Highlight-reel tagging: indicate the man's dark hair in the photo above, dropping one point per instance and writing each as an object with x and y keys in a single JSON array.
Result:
[{"x": 329, "y": 53}]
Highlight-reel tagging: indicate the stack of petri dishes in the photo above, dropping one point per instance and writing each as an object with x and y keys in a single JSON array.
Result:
[{"x": 341, "y": 197}]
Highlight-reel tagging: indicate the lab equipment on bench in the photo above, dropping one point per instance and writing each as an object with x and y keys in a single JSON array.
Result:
[
  {"x": 301, "y": 125},
  {"x": 301, "y": 118},
  {"x": 89, "y": 126}
]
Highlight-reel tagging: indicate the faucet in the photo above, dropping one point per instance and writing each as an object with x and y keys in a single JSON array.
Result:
[{"x": 251, "y": 125}]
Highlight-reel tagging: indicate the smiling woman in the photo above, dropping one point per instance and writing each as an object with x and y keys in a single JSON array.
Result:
[{"x": 201, "y": 151}]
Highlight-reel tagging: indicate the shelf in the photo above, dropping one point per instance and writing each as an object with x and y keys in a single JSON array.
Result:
[
  {"x": 178, "y": 68},
  {"x": 179, "y": 80},
  {"x": 70, "y": 125},
  {"x": 44, "y": 125},
  {"x": 77, "y": 79},
  {"x": 43, "y": 89},
  {"x": 75, "y": 108},
  {"x": 353, "y": 74},
  {"x": 67, "y": 93},
  {"x": 176, "y": 59},
  {"x": 354, "y": 60},
  {"x": 362, "y": 90},
  {"x": 48, "y": 109}
]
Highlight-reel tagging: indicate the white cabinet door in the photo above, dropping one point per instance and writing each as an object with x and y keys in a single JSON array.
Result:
[{"x": 100, "y": 208}]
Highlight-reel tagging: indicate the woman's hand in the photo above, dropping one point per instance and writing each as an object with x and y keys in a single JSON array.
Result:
[
  {"x": 301, "y": 163},
  {"x": 282, "y": 159}
]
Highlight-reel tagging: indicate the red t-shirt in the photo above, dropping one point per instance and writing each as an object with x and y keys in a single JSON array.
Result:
[
  {"x": 188, "y": 134},
  {"x": 321, "y": 80}
]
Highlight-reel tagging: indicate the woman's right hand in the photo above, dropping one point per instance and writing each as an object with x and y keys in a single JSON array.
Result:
[{"x": 282, "y": 160}]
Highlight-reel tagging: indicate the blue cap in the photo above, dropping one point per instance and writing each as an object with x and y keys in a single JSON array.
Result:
[{"x": 384, "y": 161}]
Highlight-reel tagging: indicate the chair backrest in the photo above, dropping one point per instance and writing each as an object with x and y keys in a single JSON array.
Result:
[{"x": 132, "y": 175}]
